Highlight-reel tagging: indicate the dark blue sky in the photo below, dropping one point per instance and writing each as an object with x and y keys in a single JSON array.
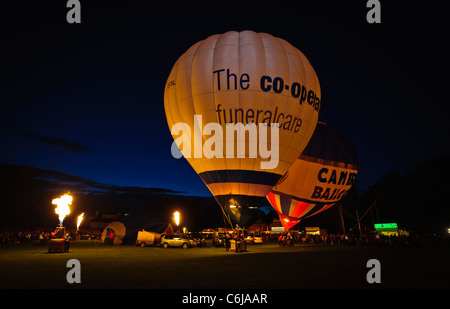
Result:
[{"x": 87, "y": 99}]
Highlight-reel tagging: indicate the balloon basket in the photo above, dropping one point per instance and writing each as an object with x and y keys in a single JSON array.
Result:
[
  {"x": 238, "y": 246},
  {"x": 56, "y": 244}
]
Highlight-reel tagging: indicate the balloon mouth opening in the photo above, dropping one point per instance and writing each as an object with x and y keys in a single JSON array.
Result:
[
  {"x": 241, "y": 210},
  {"x": 287, "y": 221}
]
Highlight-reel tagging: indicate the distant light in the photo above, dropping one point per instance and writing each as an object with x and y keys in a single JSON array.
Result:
[
  {"x": 383, "y": 226},
  {"x": 232, "y": 206},
  {"x": 448, "y": 230}
]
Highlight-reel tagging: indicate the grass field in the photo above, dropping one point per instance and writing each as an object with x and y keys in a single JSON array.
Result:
[{"x": 266, "y": 266}]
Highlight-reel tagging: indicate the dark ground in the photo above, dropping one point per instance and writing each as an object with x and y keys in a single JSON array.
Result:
[{"x": 267, "y": 266}]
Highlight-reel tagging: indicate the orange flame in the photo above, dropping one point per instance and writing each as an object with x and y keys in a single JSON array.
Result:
[
  {"x": 80, "y": 218},
  {"x": 176, "y": 216},
  {"x": 62, "y": 208}
]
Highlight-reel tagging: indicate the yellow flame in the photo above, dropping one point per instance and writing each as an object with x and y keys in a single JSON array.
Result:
[
  {"x": 80, "y": 218},
  {"x": 176, "y": 216},
  {"x": 62, "y": 209}
]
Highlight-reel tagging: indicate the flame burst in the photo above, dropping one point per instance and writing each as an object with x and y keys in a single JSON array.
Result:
[
  {"x": 62, "y": 209},
  {"x": 80, "y": 218},
  {"x": 176, "y": 217}
]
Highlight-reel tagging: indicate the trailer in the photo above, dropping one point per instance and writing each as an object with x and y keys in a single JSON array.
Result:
[{"x": 145, "y": 238}]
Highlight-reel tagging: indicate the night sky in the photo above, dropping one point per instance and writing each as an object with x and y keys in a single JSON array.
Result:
[{"x": 87, "y": 99}]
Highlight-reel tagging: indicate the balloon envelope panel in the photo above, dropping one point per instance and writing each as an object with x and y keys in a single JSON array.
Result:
[{"x": 292, "y": 211}]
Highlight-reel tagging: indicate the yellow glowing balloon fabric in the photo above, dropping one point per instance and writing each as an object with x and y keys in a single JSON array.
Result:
[
  {"x": 248, "y": 78},
  {"x": 321, "y": 176}
]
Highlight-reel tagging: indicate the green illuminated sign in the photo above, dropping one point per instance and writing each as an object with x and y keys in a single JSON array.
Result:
[{"x": 385, "y": 226}]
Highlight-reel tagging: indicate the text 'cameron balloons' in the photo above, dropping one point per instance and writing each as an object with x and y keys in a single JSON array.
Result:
[
  {"x": 321, "y": 176},
  {"x": 222, "y": 99}
]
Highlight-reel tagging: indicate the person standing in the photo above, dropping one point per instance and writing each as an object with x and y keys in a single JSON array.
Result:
[
  {"x": 111, "y": 238},
  {"x": 227, "y": 242},
  {"x": 67, "y": 240}
]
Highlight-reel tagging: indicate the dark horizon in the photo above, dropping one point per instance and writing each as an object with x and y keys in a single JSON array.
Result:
[{"x": 28, "y": 190}]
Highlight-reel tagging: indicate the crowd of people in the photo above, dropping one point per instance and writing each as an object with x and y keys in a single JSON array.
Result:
[
  {"x": 413, "y": 241},
  {"x": 37, "y": 236},
  {"x": 428, "y": 241}
]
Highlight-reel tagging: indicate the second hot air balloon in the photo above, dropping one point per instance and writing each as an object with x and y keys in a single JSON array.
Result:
[
  {"x": 319, "y": 178},
  {"x": 224, "y": 88}
]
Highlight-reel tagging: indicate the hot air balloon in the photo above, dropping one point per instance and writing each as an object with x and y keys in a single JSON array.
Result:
[
  {"x": 319, "y": 178},
  {"x": 224, "y": 88}
]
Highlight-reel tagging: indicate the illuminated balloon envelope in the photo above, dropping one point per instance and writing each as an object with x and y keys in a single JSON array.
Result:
[
  {"x": 221, "y": 100},
  {"x": 321, "y": 176}
]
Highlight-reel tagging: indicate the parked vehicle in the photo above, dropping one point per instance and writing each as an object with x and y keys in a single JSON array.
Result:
[
  {"x": 197, "y": 239},
  {"x": 176, "y": 241},
  {"x": 249, "y": 239},
  {"x": 220, "y": 239},
  {"x": 257, "y": 239}
]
